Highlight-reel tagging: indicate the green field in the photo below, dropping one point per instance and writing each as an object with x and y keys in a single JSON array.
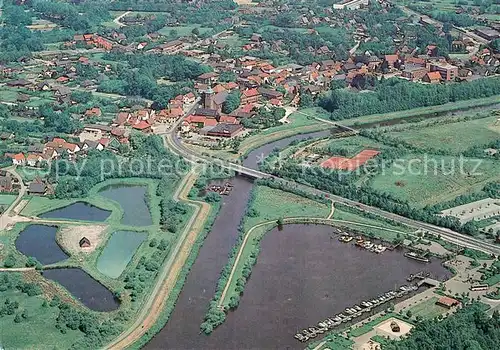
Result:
[
  {"x": 430, "y": 179},
  {"x": 428, "y": 309},
  {"x": 118, "y": 252},
  {"x": 29, "y": 174},
  {"x": 455, "y": 137},
  {"x": 272, "y": 204},
  {"x": 40, "y": 325},
  {"x": 7, "y": 199}
]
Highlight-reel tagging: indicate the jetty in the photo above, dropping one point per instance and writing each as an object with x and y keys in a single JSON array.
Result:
[{"x": 353, "y": 312}]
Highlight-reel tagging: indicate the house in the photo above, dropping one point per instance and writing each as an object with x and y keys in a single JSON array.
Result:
[
  {"x": 199, "y": 121},
  {"x": 93, "y": 112},
  {"x": 256, "y": 38},
  {"x": 4, "y": 135},
  {"x": 18, "y": 159},
  {"x": 391, "y": 60},
  {"x": 208, "y": 78},
  {"x": 414, "y": 72},
  {"x": 33, "y": 159},
  {"x": 432, "y": 77},
  {"x": 432, "y": 50},
  {"x": 89, "y": 144},
  {"x": 189, "y": 98},
  {"x": 18, "y": 83},
  {"x": 103, "y": 43},
  {"x": 122, "y": 118},
  {"x": 447, "y": 302},
  {"x": 43, "y": 86},
  {"x": 63, "y": 79},
  {"x": 250, "y": 96},
  {"x": 84, "y": 243},
  {"x": 219, "y": 99},
  {"x": 61, "y": 91},
  {"x": 5, "y": 183},
  {"x": 270, "y": 94},
  {"x": 225, "y": 130},
  {"x": 143, "y": 126}
]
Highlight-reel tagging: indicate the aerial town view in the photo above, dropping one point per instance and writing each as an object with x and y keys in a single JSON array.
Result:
[{"x": 250, "y": 174}]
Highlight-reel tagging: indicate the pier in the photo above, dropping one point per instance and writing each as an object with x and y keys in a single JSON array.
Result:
[{"x": 354, "y": 312}]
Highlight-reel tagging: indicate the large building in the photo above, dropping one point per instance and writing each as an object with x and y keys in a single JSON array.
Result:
[{"x": 448, "y": 71}]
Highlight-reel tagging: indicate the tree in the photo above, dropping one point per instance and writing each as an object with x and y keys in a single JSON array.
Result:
[
  {"x": 196, "y": 31},
  {"x": 409, "y": 314},
  {"x": 10, "y": 261}
]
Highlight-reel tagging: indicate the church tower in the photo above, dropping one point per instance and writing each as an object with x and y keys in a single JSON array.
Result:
[{"x": 209, "y": 98}]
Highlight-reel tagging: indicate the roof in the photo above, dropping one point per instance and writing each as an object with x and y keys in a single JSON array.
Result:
[
  {"x": 220, "y": 97},
  {"x": 225, "y": 128},
  {"x": 208, "y": 75},
  {"x": 37, "y": 187},
  {"x": 448, "y": 301},
  {"x": 18, "y": 156},
  {"x": 207, "y": 112},
  {"x": 434, "y": 76},
  {"x": 391, "y": 58},
  {"x": 251, "y": 93},
  {"x": 142, "y": 125}
]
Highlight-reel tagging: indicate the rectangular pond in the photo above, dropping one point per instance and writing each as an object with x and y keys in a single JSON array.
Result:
[
  {"x": 119, "y": 251},
  {"x": 132, "y": 199},
  {"x": 78, "y": 211}
]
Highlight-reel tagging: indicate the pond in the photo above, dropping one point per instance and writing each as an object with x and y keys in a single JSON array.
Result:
[
  {"x": 39, "y": 241},
  {"x": 301, "y": 277},
  {"x": 119, "y": 251},
  {"x": 83, "y": 287},
  {"x": 132, "y": 199},
  {"x": 78, "y": 211}
]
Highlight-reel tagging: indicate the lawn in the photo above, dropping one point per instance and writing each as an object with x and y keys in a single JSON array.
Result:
[
  {"x": 352, "y": 145},
  {"x": 369, "y": 325},
  {"x": 455, "y": 137},
  {"x": 333, "y": 342},
  {"x": 272, "y": 204},
  {"x": 29, "y": 174},
  {"x": 428, "y": 309},
  {"x": 429, "y": 179},
  {"x": 7, "y": 199},
  {"x": 38, "y": 331}
]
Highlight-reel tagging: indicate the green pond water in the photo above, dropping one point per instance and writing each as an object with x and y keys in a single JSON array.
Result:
[{"x": 119, "y": 251}]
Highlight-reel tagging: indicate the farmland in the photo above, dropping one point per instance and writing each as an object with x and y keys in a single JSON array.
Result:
[
  {"x": 453, "y": 137},
  {"x": 430, "y": 179}
]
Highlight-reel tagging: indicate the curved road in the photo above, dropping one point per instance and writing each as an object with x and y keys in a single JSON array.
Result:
[{"x": 4, "y": 218}]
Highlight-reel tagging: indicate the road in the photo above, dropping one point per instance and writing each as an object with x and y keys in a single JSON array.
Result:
[
  {"x": 5, "y": 217},
  {"x": 117, "y": 19},
  {"x": 451, "y": 236}
]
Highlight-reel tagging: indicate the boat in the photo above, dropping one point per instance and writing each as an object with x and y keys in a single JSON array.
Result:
[{"x": 416, "y": 256}]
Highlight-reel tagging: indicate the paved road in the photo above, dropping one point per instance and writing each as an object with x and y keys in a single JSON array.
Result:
[
  {"x": 454, "y": 237},
  {"x": 4, "y": 218}
]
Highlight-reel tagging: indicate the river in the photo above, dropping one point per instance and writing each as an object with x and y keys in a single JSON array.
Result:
[{"x": 301, "y": 277}]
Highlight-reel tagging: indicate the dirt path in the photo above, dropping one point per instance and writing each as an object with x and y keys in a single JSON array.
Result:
[
  {"x": 332, "y": 211},
  {"x": 167, "y": 279}
]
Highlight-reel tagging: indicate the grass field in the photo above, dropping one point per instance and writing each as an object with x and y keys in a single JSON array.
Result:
[
  {"x": 29, "y": 174},
  {"x": 40, "y": 325},
  {"x": 7, "y": 199},
  {"x": 430, "y": 179},
  {"x": 272, "y": 204},
  {"x": 428, "y": 309},
  {"x": 447, "y": 107},
  {"x": 455, "y": 137}
]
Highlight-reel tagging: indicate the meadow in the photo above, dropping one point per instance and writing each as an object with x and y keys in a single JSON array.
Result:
[
  {"x": 429, "y": 179},
  {"x": 454, "y": 137}
]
